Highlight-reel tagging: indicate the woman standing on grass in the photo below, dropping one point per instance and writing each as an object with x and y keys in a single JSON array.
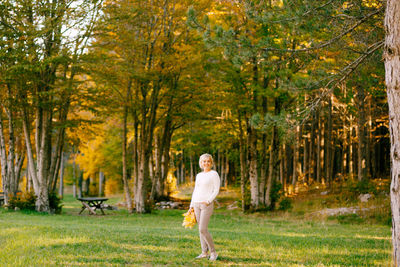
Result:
[{"x": 205, "y": 190}]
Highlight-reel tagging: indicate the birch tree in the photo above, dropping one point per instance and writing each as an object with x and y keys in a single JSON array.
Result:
[{"x": 392, "y": 78}]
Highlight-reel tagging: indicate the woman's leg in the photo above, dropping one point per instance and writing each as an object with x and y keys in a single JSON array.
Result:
[
  {"x": 205, "y": 237},
  {"x": 198, "y": 213}
]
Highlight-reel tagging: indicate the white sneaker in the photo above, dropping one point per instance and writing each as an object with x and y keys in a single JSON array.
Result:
[
  {"x": 213, "y": 256},
  {"x": 202, "y": 256}
]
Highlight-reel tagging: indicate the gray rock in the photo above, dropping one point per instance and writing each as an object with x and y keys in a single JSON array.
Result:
[{"x": 364, "y": 197}]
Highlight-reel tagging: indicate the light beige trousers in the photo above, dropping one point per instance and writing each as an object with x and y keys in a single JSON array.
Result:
[{"x": 203, "y": 214}]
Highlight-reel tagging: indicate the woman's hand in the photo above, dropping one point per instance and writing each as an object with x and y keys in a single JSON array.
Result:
[{"x": 206, "y": 203}]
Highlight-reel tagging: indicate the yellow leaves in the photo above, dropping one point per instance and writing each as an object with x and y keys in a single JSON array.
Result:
[
  {"x": 90, "y": 158},
  {"x": 190, "y": 219}
]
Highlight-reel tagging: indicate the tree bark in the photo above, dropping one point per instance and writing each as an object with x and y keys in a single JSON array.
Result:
[
  {"x": 392, "y": 78},
  {"x": 296, "y": 157},
  {"x": 61, "y": 187},
  {"x": 243, "y": 164},
  {"x": 253, "y": 175},
  {"x": 127, "y": 191},
  {"x": 271, "y": 167},
  {"x": 361, "y": 148}
]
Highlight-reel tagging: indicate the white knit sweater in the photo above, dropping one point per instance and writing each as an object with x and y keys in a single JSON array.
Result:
[{"x": 206, "y": 187}]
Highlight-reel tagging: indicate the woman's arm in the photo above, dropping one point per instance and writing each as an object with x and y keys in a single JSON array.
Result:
[
  {"x": 191, "y": 202},
  {"x": 216, "y": 184}
]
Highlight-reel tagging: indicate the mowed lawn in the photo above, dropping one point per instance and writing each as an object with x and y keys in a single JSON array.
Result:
[{"x": 120, "y": 239}]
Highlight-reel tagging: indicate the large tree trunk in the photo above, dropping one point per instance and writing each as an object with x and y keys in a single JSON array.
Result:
[
  {"x": 392, "y": 78},
  {"x": 253, "y": 175}
]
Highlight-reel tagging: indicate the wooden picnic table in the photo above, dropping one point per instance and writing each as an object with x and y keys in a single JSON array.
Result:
[{"x": 92, "y": 204}]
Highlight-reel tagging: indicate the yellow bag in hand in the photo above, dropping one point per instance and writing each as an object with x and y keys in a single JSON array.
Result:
[{"x": 190, "y": 219}]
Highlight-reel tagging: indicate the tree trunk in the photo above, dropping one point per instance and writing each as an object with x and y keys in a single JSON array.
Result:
[
  {"x": 127, "y": 191},
  {"x": 329, "y": 143},
  {"x": 296, "y": 157},
  {"x": 253, "y": 175},
  {"x": 282, "y": 173},
  {"x": 392, "y": 78},
  {"x": 226, "y": 169},
  {"x": 61, "y": 187},
  {"x": 319, "y": 150},
  {"x": 157, "y": 169},
  {"x": 271, "y": 167},
  {"x": 371, "y": 166},
  {"x": 243, "y": 164},
  {"x": 311, "y": 158},
  {"x": 361, "y": 149},
  {"x": 101, "y": 183},
  {"x": 191, "y": 168}
]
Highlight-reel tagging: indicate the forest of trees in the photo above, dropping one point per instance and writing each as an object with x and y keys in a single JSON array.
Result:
[{"x": 123, "y": 94}]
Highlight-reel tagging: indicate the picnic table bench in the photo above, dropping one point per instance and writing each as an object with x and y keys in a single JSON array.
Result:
[{"x": 92, "y": 204}]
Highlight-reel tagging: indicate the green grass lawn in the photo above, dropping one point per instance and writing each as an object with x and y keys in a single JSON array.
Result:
[{"x": 120, "y": 239}]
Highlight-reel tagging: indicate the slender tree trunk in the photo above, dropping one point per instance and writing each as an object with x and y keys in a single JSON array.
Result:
[
  {"x": 157, "y": 168},
  {"x": 392, "y": 78},
  {"x": 101, "y": 183},
  {"x": 226, "y": 169},
  {"x": 371, "y": 156},
  {"x": 296, "y": 157},
  {"x": 127, "y": 192},
  {"x": 305, "y": 159},
  {"x": 351, "y": 146},
  {"x": 311, "y": 158},
  {"x": 329, "y": 143},
  {"x": 61, "y": 187},
  {"x": 361, "y": 149},
  {"x": 243, "y": 164},
  {"x": 191, "y": 168},
  {"x": 319, "y": 150},
  {"x": 253, "y": 175},
  {"x": 74, "y": 176},
  {"x": 272, "y": 155},
  {"x": 282, "y": 173}
]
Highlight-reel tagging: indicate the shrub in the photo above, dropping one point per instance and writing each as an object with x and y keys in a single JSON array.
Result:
[
  {"x": 275, "y": 194},
  {"x": 362, "y": 187},
  {"x": 55, "y": 203},
  {"x": 23, "y": 201},
  {"x": 285, "y": 204},
  {"x": 349, "y": 219}
]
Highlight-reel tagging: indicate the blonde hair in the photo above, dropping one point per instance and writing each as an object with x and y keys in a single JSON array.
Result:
[{"x": 204, "y": 156}]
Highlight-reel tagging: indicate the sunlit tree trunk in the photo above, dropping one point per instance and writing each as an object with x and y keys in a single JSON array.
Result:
[{"x": 392, "y": 78}]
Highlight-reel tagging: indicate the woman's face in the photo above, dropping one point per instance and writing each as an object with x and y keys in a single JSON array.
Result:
[{"x": 206, "y": 163}]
